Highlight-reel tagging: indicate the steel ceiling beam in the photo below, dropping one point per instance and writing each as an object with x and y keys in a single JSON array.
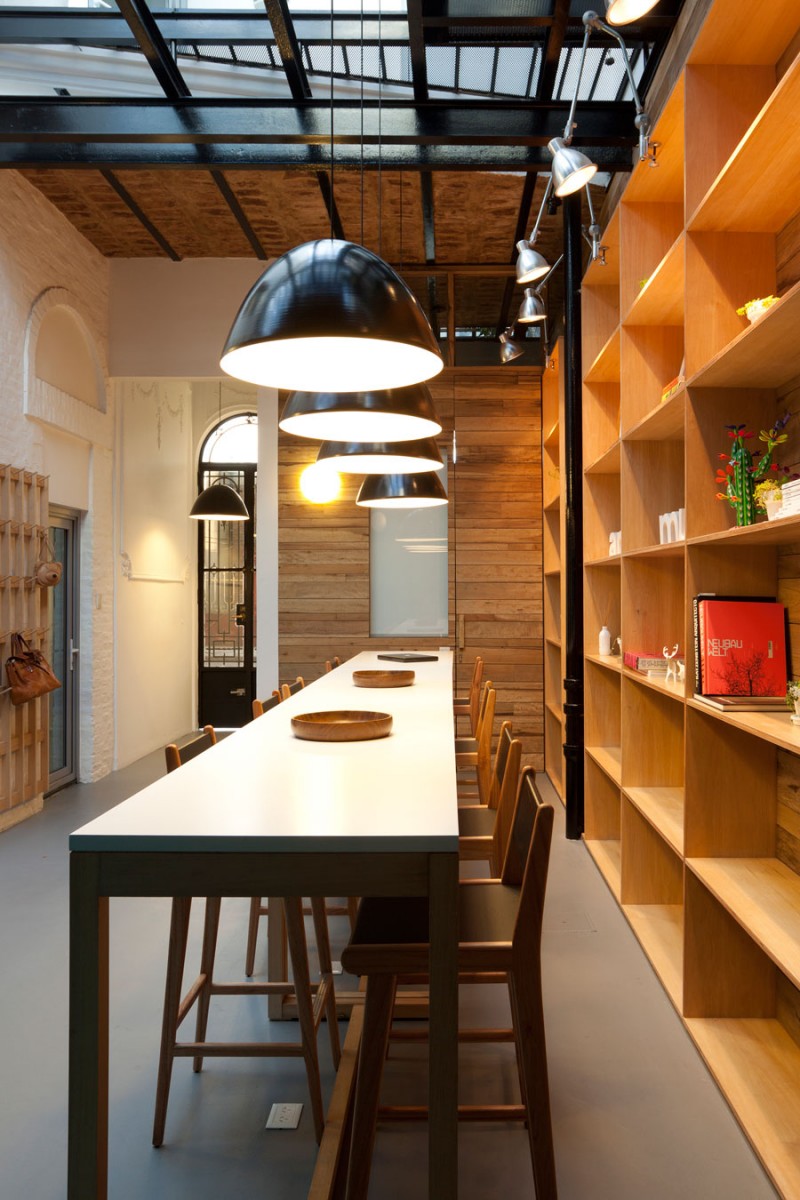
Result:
[
  {"x": 552, "y": 49},
  {"x": 288, "y": 48},
  {"x": 151, "y": 42}
]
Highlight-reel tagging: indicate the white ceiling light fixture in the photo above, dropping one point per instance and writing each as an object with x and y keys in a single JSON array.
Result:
[{"x": 572, "y": 170}]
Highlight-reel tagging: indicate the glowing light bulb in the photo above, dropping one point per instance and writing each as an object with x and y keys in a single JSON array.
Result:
[{"x": 320, "y": 484}]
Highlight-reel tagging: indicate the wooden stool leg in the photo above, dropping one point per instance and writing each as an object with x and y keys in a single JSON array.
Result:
[
  {"x": 176, "y": 958},
  {"x": 525, "y": 992},
  {"x": 207, "y": 955},
  {"x": 277, "y": 965},
  {"x": 374, "y": 1042},
  {"x": 252, "y": 936},
  {"x": 352, "y": 911},
  {"x": 326, "y": 974},
  {"x": 298, "y": 952}
]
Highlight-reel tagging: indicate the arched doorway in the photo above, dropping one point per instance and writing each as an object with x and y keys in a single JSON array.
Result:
[{"x": 227, "y": 578}]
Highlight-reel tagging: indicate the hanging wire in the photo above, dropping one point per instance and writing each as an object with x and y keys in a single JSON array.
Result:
[
  {"x": 401, "y": 221},
  {"x": 331, "y": 199},
  {"x": 362, "y": 123},
  {"x": 380, "y": 131}
]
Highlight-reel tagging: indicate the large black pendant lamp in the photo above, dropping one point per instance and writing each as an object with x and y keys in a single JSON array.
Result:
[
  {"x": 423, "y": 490},
  {"x": 397, "y": 415},
  {"x": 379, "y": 458},
  {"x": 331, "y": 316},
  {"x": 219, "y": 502}
]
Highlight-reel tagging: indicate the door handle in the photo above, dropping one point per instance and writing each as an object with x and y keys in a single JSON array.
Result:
[
  {"x": 74, "y": 651},
  {"x": 238, "y": 691}
]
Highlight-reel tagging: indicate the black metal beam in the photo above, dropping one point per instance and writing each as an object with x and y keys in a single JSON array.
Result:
[
  {"x": 140, "y": 215},
  {"x": 573, "y": 520},
  {"x": 288, "y": 48},
  {"x": 324, "y": 180},
  {"x": 552, "y": 49},
  {"x": 232, "y": 200},
  {"x": 523, "y": 220},
  {"x": 416, "y": 40},
  {"x": 451, "y": 123},
  {"x": 143, "y": 26}
]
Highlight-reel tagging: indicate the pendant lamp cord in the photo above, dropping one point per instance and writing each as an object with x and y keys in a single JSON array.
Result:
[
  {"x": 380, "y": 132},
  {"x": 362, "y": 122},
  {"x": 331, "y": 201}
]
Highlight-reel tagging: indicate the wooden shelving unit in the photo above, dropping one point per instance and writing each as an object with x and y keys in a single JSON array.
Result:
[
  {"x": 552, "y": 461},
  {"x": 693, "y": 816}
]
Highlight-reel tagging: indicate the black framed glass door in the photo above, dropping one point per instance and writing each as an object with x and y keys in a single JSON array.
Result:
[{"x": 63, "y": 737}]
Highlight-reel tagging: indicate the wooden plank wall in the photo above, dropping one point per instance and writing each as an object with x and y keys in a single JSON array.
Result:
[{"x": 495, "y": 549}]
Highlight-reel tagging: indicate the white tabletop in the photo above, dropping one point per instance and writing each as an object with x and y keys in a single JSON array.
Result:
[{"x": 262, "y": 788}]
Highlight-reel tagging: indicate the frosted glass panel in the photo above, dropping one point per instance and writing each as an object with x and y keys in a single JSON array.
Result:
[{"x": 408, "y": 571}]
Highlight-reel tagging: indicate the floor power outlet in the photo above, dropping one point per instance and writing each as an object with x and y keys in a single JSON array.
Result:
[{"x": 284, "y": 1116}]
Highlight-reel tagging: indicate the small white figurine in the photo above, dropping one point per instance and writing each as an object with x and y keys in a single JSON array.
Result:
[{"x": 672, "y": 668}]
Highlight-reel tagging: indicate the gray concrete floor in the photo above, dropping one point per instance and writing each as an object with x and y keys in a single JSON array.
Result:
[{"x": 636, "y": 1115}]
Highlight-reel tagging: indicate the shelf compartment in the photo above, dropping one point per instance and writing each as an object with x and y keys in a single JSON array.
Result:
[
  {"x": 652, "y": 735},
  {"x": 663, "y": 423},
  {"x": 663, "y": 807},
  {"x": 659, "y": 928},
  {"x": 665, "y": 183},
  {"x": 731, "y": 808},
  {"x": 708, "y": 412},
  {"x": 553, "y": 677},
  {"x": 600, "y": 316},
  {"x": 763, "y": 896},
  {"x": 660, "y": 301},
  {"x": 723, "y": 270},
  {"x": 606, "y": 463},
  {"x": 596, "y": 273},
  {"x": 602, "y": 703},
  {"x": 551, "y": 531},
  {"x": 601, "y": 513},
  {"x": 653, "y": 604},
  {"x": 651, "y": 356},
  {"x": 756, "y": 1064},
  {"x": 606, "y": 855},
  {"x": 609, "y": 759},
  {"x": 552, "y": 606},
  {"x": 601, "y": 605},
  {"x": 783, "y": 532},
  {"x": 601, "y": 805},
  {"x": 551, "y": 476},
  {"x": 606, "y": 366},
  {"x": 553, "y": 754},
  {"x": 648, "y": 233},
  {"x": 652, "y": 873},
  {"x": 651, "y": 483},
  {"x": 675, "y": 690},
  {"x": 737, "y": 199},
  {"x": 600, "y": 420},
  {"x": 774, "y": 728}
]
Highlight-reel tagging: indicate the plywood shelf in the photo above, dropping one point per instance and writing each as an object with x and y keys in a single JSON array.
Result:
[
  {"x": 763, "y": 896},
  {"x": 752, "y": 194},
  {"x": 757, "y": 1066},
  {"x": 667, "y": 550},
  {"x": 783, "y": 532},
  {"x": 554, "y": 710},
  {"x": 676, "y": 690},
  {"x": 607, "y": 463},
  {"x": 659, "y": 928},
  {"x": 609, "y": 759},
  {"x": 610, "y": 662},
  {"x": 551, "y": 641},
  {"x": 607, "y": 855},
  {"x": 551, "y": 437},
  {"x": 610, "y": 560},
  {"x": 764, "y": 355},
  {"x": 660, "y": 302},
  {"x": 552, "y": 505},
  {"x": 663, "y": 807},
  {"x": 663, "y": 423},
  {"x": 605, "y": 368},
  {"x": 773, "y": 727}
]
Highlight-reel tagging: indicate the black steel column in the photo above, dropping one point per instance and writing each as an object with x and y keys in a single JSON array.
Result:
[{"x": 572, "y": 553}]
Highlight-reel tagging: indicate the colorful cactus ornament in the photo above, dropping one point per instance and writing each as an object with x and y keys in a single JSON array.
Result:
[{"x": 740, "y": 474}]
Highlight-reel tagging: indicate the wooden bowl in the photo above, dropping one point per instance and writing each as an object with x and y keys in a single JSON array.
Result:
[
  {"x": 338, "y": 725},
  {"x": 383, "y": 679}
]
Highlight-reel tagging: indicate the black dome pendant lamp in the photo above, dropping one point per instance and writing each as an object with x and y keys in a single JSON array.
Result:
[
  {"x": 396, "y": 415},
  {"x": 331, "y": 316},
  {"x": 423, "y": 490}
]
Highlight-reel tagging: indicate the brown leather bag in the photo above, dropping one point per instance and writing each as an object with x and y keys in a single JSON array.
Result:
[
  {"x": 46, "y": 571},
  {"x": 28, "y": 672}
]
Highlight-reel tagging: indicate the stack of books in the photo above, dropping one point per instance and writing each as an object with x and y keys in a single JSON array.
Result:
[
  {"x": 790, "y": 496},
  {"x": 740, "y": 652},
  {"x": 650, "y": 664}
]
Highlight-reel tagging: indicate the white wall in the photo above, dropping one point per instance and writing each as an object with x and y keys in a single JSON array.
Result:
[{"x": 45, "y": 265}]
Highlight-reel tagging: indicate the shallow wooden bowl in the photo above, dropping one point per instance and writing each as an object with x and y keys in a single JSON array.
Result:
[
  {"x": 338, "y": 725},
  {"x": 383, "y": 679}
]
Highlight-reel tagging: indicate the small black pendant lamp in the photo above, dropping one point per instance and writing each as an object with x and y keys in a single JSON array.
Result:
[
  {"x": 380, "y": 458},
  {"x": 423, "y": 490},
  {"x": 396, "y": 415},
  {"x": 219, "y": 501}
]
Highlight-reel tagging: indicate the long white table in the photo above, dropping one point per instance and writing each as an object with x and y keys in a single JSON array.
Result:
[{"x": 265, "y": 813}]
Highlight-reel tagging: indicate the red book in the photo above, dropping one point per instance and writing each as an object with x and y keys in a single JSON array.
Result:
[{"x": 743, "y": 648}]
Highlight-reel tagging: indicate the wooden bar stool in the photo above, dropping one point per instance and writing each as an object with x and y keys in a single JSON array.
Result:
[
  {"x": 291, "y": 689},
  {"x": 476, "y": 753},
  {"x": 484, "y": 829},
  {"x": 331, "y": 663},
  {"x": 261, "y": 706},
  {"x": 313, "y": 1000},
  {"x": 500, "y": 925},
  {"x": 467, "y": 706}
]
